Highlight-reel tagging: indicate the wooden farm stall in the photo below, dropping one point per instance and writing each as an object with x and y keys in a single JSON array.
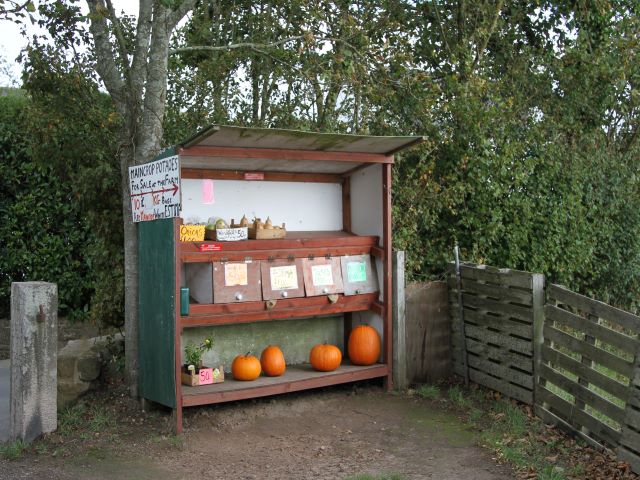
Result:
[{"x": 333, "y": 193}]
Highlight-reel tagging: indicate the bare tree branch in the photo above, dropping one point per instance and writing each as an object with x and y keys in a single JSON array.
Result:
[
  {"x": 17, "y": 8},
  {"x": 174, "y": 17},
  {"x": 117, "y": 31},
  {"x": 234, "y": 46},
  {"x": 492, "y": 29},
  {"x": 105, "y": 65}
]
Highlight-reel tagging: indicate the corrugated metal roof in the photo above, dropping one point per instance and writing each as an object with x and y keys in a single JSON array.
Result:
[{"x": 244, "y": 137}]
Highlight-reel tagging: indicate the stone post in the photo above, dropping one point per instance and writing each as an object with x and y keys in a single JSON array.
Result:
[
  {"x": 399, "y": 333},
  {"x": 33, "y": 354}
]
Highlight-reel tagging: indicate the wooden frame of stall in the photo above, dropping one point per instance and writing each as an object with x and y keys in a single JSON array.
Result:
[{"x": 161, "y": 256}]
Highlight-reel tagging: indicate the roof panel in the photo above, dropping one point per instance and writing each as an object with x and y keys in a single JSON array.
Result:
[{"x": 243, "y": 137}]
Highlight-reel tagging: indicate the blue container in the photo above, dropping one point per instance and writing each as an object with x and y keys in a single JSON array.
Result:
[{"x": 184, "y": 301}]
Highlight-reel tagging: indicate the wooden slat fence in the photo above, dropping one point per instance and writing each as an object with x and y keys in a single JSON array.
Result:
[
  {"x": 629, "y": 448},
  {"x": 586, "y": 363},
  {"x": 499, "y": 307},
  {"x": 577, "y": 360}
]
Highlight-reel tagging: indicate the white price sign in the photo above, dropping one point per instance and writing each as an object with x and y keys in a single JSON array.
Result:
[{"x": 155, "y": 189}]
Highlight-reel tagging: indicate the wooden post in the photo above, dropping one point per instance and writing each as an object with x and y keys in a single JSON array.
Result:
[
  {"x": 537, "y": 290},
  {"x": 399, "y": 332},
  {"x": 387, "y": 262}
]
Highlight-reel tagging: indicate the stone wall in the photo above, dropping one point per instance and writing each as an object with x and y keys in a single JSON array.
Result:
[{"x": 83, "y": 363}]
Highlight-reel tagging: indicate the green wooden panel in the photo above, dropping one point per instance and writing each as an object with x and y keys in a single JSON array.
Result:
[{"x": 156, "y": 313}]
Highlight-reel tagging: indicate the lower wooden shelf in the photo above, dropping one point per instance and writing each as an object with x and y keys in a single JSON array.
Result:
[
  {"x": 232, "y": 313},
  {"x": 297, "y": 377}
]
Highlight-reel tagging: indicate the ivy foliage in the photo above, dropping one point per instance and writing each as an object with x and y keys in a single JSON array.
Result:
[
  {"x": 60, "y": 189},
  {"x": 42, "y": 233}
]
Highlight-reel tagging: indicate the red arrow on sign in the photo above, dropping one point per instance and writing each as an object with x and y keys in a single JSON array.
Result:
[{"x": 174, "y": 188}]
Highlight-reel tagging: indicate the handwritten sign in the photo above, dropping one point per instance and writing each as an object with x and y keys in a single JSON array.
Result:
[
  {"x": 356, "y": 272},
  {"x": 232, "y": 234},
  {"x": 322, "y": 275},
  {"x": 284, "y": 278},
  {"x": 205, "y": 376},
  {"x": 191, "y": 233},
  {"x": 155, "y": 189},
  {"x": 235, "y": 274}
]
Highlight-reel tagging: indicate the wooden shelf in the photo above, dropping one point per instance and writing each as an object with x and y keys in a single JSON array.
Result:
[
  {"x": 296, "y": 244},
  {"x": 228, "y": 313},
  {"x": 297, "y": 377}
]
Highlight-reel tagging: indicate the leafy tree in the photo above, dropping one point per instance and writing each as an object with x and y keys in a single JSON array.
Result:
[
  {"x": 43, "y": 235},
  {"x": 72, "y": 129}
]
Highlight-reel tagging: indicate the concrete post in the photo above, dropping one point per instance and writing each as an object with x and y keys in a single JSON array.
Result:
[
  {"x": 33, "y": 354},
  {"x": 399, "y": 334}
]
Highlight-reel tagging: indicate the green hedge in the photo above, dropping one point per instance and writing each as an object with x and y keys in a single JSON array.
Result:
[{"x": 42, "y": 233}]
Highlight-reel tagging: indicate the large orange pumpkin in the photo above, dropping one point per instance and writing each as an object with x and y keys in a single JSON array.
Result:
[
  {"x": 245, "y": 367},
  {"x": 272, "y": 361},
  {"x": 325, "y": 358},
  {"x": 364, "y": 345}
]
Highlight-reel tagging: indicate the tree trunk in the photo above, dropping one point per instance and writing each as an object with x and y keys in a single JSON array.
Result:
[{"x": 130, "y": 269}]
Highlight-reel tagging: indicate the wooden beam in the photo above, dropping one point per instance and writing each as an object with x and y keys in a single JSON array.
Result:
[
  {"x": 177, "y": 412},
  {"x": 387, "y": 286},
  {"x": 346, "y": 205},
  {"x": 285, "y": 154},
  {"x": 213, "y": 174}
]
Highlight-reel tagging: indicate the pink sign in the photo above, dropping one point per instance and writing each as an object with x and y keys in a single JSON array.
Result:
[
  {"x": 205, "y": 376},
  {"x": 207, "y": 192}
]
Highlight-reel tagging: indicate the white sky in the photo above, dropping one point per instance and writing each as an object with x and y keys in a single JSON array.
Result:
[{"x": 11, "y": 42}]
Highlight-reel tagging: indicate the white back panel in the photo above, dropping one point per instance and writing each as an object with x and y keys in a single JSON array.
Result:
[{"x": 301, "y": 206}]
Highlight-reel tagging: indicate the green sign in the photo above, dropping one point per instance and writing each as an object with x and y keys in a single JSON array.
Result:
[{"x": 356, "y": 272}]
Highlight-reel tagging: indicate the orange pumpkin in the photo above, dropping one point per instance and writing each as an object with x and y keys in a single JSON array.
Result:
[
  {"x": 325, "y": 358},
  {"x": 272, "y": 361},
  {"x": 364, "y": 345},
  {"x": 245, "y": 367}
]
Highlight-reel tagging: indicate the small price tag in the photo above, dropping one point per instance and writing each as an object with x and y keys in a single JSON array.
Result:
[
  {"x": 253, "y": 176},
  {"x": 210, "y": 247},
  {"x": 205, "y": 376}
]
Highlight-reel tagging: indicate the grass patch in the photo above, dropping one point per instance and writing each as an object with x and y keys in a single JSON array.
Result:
[
  {"x": 429, "y": 392},
  {"x": 12, "y": 450},
  {"x": 515, "y": 435},
  {"x": 84, "y": 420},
  {"x": 458, "y": 398}
]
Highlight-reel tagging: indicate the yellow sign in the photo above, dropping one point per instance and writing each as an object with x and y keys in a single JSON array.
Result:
[
  {"x": 235, "y": 274},
  {"x": 284, "y": 278},
  {"x": 191, "y": 233}
]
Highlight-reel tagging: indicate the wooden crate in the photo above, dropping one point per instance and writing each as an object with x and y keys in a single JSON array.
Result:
[
  {"x": 193, "y": 379},
  {"x": 267, "y": 233}
]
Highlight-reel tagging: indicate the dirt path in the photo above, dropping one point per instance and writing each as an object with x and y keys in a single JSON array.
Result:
[{"x": 331, "y": 434}]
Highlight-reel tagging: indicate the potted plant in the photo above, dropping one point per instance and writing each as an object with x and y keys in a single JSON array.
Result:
[{"x": 193, "y": 372}]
